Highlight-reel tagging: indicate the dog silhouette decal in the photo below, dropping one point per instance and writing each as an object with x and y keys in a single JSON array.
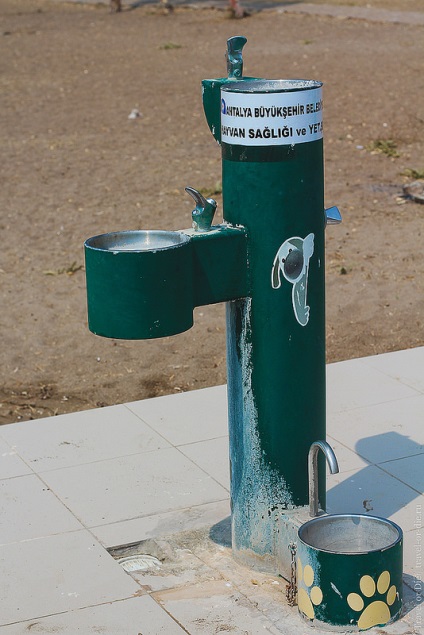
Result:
[{"x": 292, "y": 260}]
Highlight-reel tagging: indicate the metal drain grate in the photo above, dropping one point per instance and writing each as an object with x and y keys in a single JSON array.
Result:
[{"x": 140, "y": 562}]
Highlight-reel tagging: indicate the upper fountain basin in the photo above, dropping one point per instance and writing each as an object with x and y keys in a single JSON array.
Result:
[{"x": 138, "y": 240}]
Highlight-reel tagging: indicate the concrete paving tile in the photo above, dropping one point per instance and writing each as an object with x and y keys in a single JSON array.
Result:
[
  {"x": 130, "y": 531},
  {"x": 404, "y": 366},
  {"x": 180, "y": 568},
  {"x": 354, "y": 384},
  {"x": 81, "y": 437},
  {"x": 133, "y": 486},
  {"x": 409, "y": 623},
  {"x": 126, "y": 617},
  {"x": 217, "y": 606},
  {"x": 371, "y": 491},
  {"x": 382, "y": 432},
  {"x": 28, "y": 509},
  {"x": 413, "y": 548},
  {"x": 413, "y": 607},
  {"x": 347, "y": 459},
  {"x": 212, "y": 456},
  {"x": 10, "y": 463},
  {"x": 265, "y": 590},
  {"x": 409, "y": 470},
  {"x": 56, "y": 574},
  {"x": 187, "y": 417}
]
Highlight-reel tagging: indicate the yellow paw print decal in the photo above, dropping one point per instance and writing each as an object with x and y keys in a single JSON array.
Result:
[
  {"x": 378, "y": 612},
  {"x": 312, "y": 595}
]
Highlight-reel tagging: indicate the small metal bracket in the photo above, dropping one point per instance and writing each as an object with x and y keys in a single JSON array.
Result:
[
  {"x": 291, "y": 588},
  {"x": 332, "y": 216},
  {"x": 235, "y": 56}
]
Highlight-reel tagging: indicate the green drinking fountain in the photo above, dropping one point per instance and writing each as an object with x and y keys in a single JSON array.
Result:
[{"x": 266, "y": 262}]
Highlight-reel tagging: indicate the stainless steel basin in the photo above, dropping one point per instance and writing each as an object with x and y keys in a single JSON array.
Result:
[
  {"x": 349, "y": 533},
  {"x": 138, "y": 240}
]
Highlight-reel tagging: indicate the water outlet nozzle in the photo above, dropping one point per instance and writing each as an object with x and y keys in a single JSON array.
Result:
[
  {"x": 313, "y": 472},
  {"x": 235, "y": 56},
  {"x": 203, "y": 213}
]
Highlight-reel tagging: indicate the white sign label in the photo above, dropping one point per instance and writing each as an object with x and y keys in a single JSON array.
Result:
[{"x": 268, "y": 119}]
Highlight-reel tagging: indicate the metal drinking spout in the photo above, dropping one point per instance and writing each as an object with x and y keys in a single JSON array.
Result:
[
  {"x": 203, "y": 213},
  {"x": 235, "y": 56},
  {"x": 313, "y": 472}
]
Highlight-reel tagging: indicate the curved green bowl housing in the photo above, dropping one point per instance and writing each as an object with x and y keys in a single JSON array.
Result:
[
  {"x": 139, "y": 284},
  {"x": 349, "y": 571}
]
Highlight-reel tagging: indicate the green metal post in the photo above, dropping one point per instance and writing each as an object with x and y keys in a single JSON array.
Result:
[{"x": 272, "y": 166}]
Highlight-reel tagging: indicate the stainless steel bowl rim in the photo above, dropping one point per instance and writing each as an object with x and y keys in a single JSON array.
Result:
[
  {"x": 108, "y": 238},
  {"x": 366, "y": 518},
  {"x": 271, "y": 85}
]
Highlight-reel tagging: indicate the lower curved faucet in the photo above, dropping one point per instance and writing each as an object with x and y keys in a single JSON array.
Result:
[{"x": 313, "y": 472}]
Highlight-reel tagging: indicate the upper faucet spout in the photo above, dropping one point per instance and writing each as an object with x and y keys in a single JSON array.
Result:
[
  {"x": 235, "y": 56},
  {"x": 313, "y": 471},
  {"x": 203, "y": 213}
]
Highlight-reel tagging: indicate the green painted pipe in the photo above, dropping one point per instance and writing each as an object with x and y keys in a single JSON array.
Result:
[
  {"x": 272, "y": 165},
  {"x": 273, "y": 185}
]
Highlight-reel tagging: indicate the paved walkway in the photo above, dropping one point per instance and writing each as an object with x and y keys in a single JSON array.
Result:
[
  {"x": 360, "y": 13},
  {"x": 74, "y": 486},
  {"x": 342, "y": 12}
]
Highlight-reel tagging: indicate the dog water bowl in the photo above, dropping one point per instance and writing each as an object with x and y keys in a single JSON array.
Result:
[{"x": 349, "y": 571}]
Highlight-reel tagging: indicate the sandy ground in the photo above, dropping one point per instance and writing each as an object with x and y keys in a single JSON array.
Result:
[{"x": 74, "y": 165}]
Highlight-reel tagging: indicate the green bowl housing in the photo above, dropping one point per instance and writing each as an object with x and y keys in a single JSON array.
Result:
[
  {"x": 139, "y": 284},
  {"x": 349, "y": 571}
]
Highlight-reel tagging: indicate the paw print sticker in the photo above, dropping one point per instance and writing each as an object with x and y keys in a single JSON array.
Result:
[
  {"x": 378, "y": 611},
  {"x": 308, "y": 595}
]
